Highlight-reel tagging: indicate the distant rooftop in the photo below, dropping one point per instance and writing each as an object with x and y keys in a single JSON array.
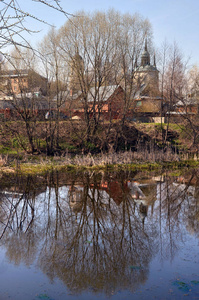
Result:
[
  {"x": 102, "y": 94},
  {"x": 14, "y": 73},
  {"x": 188, "y": 101}
]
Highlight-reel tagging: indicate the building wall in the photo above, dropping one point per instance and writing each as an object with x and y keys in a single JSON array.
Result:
[
  {"x": 146, "y": 105},
  {"x": 116, "y": 104},
  {"x": 17, "y": 84},
  {"x": 188, "y": 109},
  {"x": 14, "y": 83}
]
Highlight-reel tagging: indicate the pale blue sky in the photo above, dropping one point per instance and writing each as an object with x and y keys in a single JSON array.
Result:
[{"x": 171, "y": 19}]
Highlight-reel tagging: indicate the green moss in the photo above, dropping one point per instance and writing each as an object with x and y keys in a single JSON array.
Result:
[
  {"x": 7, "y": 150},
  {"x": 67, "y": 146},
  {"x": 29, "y": 169}
]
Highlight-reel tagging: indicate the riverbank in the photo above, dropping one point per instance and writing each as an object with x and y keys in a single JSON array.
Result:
[
  {"x": 37, "y": 164},
  {"x": 72, "y": 139}
]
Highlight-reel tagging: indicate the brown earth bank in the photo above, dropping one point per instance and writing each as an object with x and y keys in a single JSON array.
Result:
[{"x": 76, "y": 137}]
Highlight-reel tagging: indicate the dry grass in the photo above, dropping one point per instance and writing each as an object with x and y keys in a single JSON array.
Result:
[
  {"x": 4, "y": 168},
  {"x": 127, "y": 157},
  {"x": 3, "y": 160},
  {"x": 143, "y": 158}
]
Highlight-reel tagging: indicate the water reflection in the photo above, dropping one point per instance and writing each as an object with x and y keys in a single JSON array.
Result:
[{"x": 97, "y": 231}]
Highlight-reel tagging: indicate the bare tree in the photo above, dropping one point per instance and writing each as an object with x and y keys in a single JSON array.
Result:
[
  {"x": 193, "y": 82},
  {"x": 173, "y": 80},
  {"x": 13, "y": 29},
  {"x": 175, "y": 75},
  {"x": 101, "y": 50},
  {"x": 13, "y": 22},
  {"x": 56, "y": 74},
  {"x": 190, "y": 107},
  {"x": 131, "y": 41}
]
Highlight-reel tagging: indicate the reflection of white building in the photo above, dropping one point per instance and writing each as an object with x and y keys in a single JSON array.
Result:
[
  {"x": 136, "y": 192},
  {"x": 173, "y": 190},
  {"x": 76, "y": 198},
  {"x": 140, "y": 199}
]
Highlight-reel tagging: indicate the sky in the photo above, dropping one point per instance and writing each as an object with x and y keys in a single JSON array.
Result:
[{"x": 172, "y": 20}]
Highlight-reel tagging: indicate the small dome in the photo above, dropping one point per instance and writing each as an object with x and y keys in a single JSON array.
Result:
[
  {"x": 145, "y": 54},
  {"x": 145, "y": 57}
]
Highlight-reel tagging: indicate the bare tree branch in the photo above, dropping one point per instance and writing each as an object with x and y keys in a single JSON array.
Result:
[{"x": 12, "y": 22}]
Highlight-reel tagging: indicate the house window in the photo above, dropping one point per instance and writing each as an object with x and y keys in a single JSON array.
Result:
[{"x": 138, "y": 103}]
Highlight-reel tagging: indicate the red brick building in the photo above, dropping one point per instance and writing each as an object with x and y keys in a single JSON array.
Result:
[
  {"x": 22, "y": 81},
  {"x": 106, "y": 101}
]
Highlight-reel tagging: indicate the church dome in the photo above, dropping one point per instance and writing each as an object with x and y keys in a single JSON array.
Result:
[
  {"x": 146, "y": 68},
  {"x": 145, "y": 53},
  {"x": 147, "y": 74},
  {"x": 145, "y": 57}
]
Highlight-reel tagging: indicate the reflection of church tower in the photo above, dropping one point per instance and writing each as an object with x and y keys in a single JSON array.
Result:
[
  {"x": 76, "y": 74},
  {"x": 143, "y": 209},
  {"x": 76, "y": 199},
  {"x": 147, "y": 74}
]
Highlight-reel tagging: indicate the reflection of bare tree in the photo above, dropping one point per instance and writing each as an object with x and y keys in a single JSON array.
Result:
[
  {"x": 104, "y": 247},
  {"x": 94, "y": 231},
  {"x": 175, "y": 202},
  {"x": 17, "y": 223}
]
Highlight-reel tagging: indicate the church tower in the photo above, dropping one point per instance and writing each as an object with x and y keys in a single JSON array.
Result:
[
  {"x": 76, "y": 71},
  {"x": 146, "y": 74}
]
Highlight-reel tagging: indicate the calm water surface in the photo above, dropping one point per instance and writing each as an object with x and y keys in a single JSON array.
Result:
[{"x": 99, "y": 236}]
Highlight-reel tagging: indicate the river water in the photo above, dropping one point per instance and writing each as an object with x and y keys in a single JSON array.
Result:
[{"x": 118, "y": 235}]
